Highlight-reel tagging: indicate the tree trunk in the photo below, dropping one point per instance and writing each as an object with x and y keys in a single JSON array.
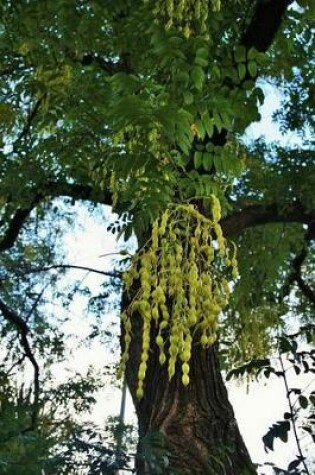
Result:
[{"x": 196, "y": 422}]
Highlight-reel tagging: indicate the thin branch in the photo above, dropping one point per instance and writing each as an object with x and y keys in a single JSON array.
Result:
[
  {"x": 17, "y": 363},
  {"x": 12, "y": 317},
  {"x": 27, "y": 127},
  {"x": 31, "y": 270},
  {"x": 35, "y": 303}
]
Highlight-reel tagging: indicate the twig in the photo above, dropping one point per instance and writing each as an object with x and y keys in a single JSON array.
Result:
[
  {"x": 31, "y": 270},
  {"x": 29, "y": 122}
]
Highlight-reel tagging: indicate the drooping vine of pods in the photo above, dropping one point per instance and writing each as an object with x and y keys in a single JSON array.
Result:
[
  {"x": 185, "y": 15},
  {"x": 182, "y": 276}
]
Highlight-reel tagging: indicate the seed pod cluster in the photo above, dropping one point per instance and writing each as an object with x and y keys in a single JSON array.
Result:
[
  {"x": 183, "y": 287},
  {"x": 185, "y": 14}
]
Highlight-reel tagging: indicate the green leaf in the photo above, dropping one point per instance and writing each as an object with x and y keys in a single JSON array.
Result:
[
  {"x": 278, "y": 430},
  {"x": 209, "y": 147},
  {"x": 285, "y": 345},
  {"x": 217, "y": 120},
  {"x": 198, "y": 159},
  {"x": 201, "y": 129},
  {"x": 188, "y": 97},
  {"x": 241, "y": 69},
  {"x": 201, "y": 58},
  {"x": 252, "y": 68},
  {"x": 225, "y": 119},
  {"x": 207, "y": 161},
  {"x": 303, "y": 401},
  {"x": 253, "y": 366},
  {"x": 252, "y": 53},
  {"x": 197, "y": 76},
  {"x": 202, "y": 53},
  {"x": 201, "y": 62},
  {"x": 217, "y": 161},
  {"x": 208, "y": 124},
  {"x": 240, "y": 54}
]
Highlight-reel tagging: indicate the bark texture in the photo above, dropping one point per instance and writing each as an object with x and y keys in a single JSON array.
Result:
[{"x": 196, "y": 422}]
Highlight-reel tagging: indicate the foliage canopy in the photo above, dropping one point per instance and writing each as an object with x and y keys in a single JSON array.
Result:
[{"x": 142, "y": 106}]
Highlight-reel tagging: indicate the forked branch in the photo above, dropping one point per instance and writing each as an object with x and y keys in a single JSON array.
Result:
[{"x": 23, "y": 330}]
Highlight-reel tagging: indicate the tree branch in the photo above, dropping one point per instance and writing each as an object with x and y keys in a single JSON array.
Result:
[
  {"x": 27, "y": 126},
  {"x": 31, "y": 270},
  {"x": 77, "y": 191},
  {"x": 234, "y": 224},
  {"x": 259, "y": 34},
  {"x": 52, "y": 189},
  {"x": 256, "y": 215},
  {"x": 296, "y": 273},
  {"x": 12, "y": 317},
  {"x": 264, "y": 24},
  {"x": 123, "y": 65},
  {"x": 14, "y": 228}
]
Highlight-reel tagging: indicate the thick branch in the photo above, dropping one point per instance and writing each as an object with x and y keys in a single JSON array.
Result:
[
  {"x": 54, "y": 190},
  {"x": 77, "y": 191},
  {"x": 23, "y": 330},
  {"x": 265, "y": 24},
  {"x": 234, "y": 224},
  {"x": 256, "y": 215},
  {"x": 296, "y": 273},
  {"x": 260, "y": 33},
  {"x": 14, "y": 228},
  {"x": 110, "y": 67}
]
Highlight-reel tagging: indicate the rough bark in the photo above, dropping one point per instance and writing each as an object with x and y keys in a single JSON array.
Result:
[{"x": 196, "y": 422}]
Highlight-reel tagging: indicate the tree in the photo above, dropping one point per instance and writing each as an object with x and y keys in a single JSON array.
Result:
[{"x": 143, "y": 105}]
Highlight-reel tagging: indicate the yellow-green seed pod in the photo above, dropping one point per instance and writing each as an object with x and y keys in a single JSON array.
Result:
[
  {"x": 163, "y": 324},
  {"x": 204, "y": 340},
  {"x": 216, "y": 208},
  {"x": 185, "y": 368},
  {"x": 155, "y": 313},
  {"x": 173, "y": 350},
  {"x": 185, "y": 379},
  {"x": 180, "y": 274},
  {"x": 211, "y": 339},
  {"x": 162, "y": 358},
  {"x": 171, "y": 368},
  {"x": 127, "y": 338},
  {"x": 159, "y": 340}
]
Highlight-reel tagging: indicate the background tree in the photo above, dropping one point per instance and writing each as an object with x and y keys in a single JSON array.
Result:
[{"x": 143, "y": 106}]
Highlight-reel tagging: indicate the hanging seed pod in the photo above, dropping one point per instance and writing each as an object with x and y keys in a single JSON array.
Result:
[
  {"x": 183, "y": 275},
  {"x": 186, "y": 15}
]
